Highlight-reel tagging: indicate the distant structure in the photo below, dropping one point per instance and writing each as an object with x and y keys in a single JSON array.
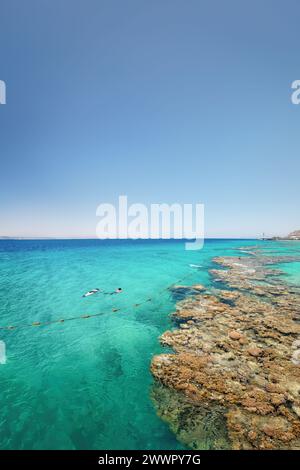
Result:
[
  {"x": 294, "y": 235},
  {"x": 291, "y": 236},
  {"x": 267, "y": 238}
]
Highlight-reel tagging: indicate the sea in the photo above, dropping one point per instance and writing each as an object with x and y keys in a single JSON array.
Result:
[{"x": 76, "y": 370}]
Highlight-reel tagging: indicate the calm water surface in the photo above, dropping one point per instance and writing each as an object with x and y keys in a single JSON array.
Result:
[{"x": 85, "y": 384}]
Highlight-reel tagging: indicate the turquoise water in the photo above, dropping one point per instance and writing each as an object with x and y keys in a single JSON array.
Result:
[
  {"x": 291, "y": 270},
  {"x": 86, "y": 384}
]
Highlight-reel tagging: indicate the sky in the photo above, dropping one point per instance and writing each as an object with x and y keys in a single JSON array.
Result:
[{"x": 165, "y": 101}]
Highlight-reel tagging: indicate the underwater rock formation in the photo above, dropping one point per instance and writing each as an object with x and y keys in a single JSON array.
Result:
[
  {"x": 180, "y": 292},
  {"x": 233, "y": 380}
]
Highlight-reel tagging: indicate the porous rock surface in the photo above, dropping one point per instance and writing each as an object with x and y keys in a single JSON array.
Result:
[{"x": 233, "y": 378}]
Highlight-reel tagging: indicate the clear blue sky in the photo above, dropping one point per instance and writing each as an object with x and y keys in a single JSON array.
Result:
[{"x": 162, "y": 100}]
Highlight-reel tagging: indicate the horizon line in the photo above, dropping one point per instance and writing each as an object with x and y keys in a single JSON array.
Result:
[{"x": 117, "y": 239}]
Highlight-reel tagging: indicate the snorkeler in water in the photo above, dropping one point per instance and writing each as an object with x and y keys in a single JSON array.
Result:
[
  {"x": 117, "y": 291},
  {"x": 91, "y": 292},
  {"x": 95, "y": 291}
]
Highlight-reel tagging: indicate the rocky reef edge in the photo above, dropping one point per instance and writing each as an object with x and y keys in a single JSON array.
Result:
[{"x": 232, "y": 378}]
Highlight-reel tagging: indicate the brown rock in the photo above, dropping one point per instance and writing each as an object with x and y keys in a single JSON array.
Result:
[
  {"x": 234, "y": 335},
  {"x": 252, "y": 435},
  {"x": 273, "y": 388},
  {"x": 198, "y": 287},
  {"x": 269, "y": 430},
  {"x": 243, "y": 340},
  {"x": 277, "y": 399},
  {"x": 255, "y": 352}
]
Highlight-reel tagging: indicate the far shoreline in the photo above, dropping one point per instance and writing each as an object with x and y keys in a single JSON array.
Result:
[{"x": 126, "y": 239}]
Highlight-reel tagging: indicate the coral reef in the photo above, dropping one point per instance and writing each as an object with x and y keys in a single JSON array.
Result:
[{"x": 233, "y": 380}]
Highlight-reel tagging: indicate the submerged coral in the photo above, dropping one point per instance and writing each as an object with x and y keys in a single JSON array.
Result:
[{"x": 233, "y": 380}]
